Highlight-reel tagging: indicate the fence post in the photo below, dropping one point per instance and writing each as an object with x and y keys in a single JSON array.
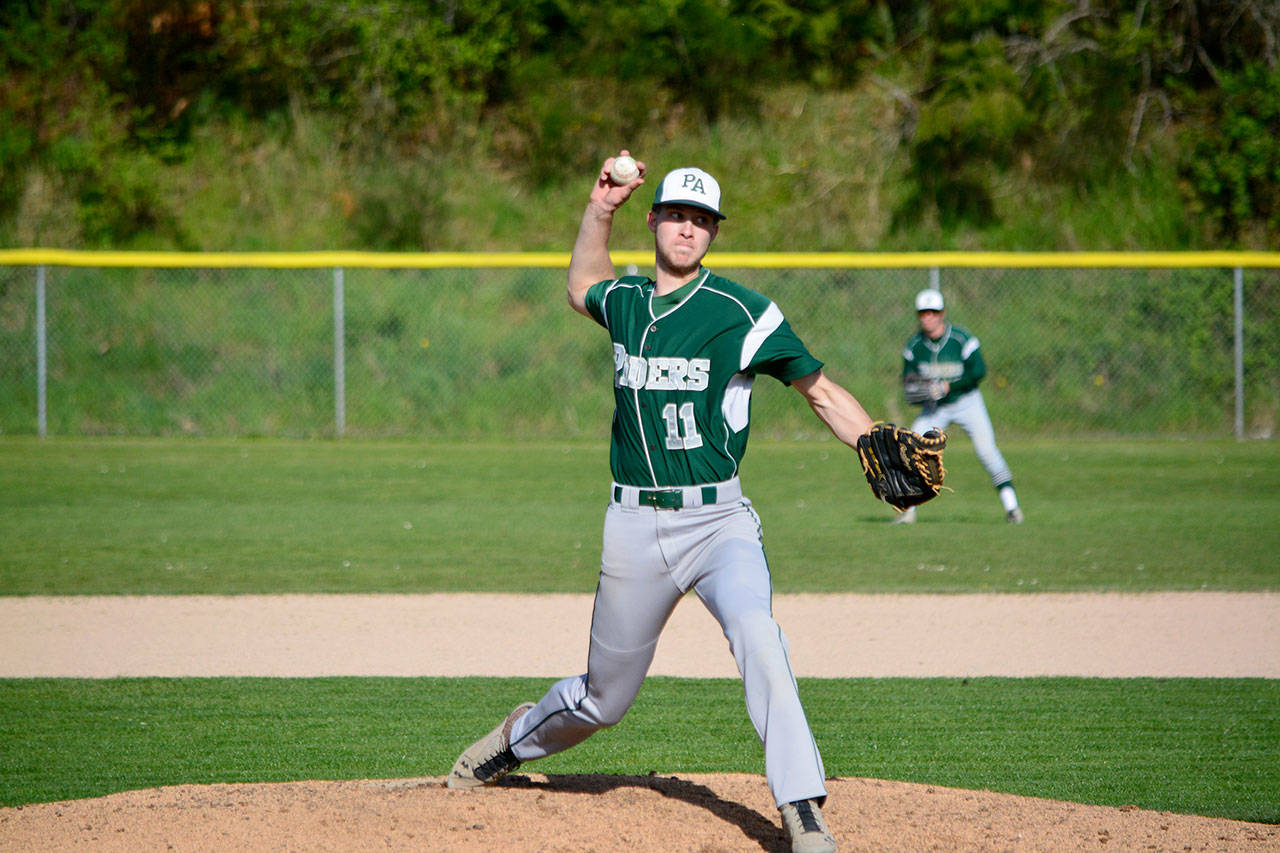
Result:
[
  {"x": 339, "y": 355},
  {"x": 42, "y": 356},
  {"x": 1239, "y": 350}
]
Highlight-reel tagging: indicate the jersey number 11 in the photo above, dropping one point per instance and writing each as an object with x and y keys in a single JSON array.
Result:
[{"x": 675, "y": 419}]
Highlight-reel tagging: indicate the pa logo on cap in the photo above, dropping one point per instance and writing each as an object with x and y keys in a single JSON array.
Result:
[{"x": 690, "y": 186}]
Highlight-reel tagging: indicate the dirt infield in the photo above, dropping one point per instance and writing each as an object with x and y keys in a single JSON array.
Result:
[
  {"x": 1170, "y": 634},
  {"x": 1112, "y": 635},
  {"x": 582, "y": 814}
]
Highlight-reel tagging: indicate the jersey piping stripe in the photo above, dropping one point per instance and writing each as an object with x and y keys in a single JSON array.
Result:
[
  {"x": 813, "y": 744},
  {"x": 736, "y": 405},
  {"x": 604, "y": 299},
  {"x": 737, "y": 402},
  {"x": 635, "y": 392},
  {"x": 968, "y": 348},
  {"x": 697, "y": 287},
  {"x": 644, "y": 442},
  {"x": 586, "y": 691},
  {"x": 604, "y": 315},
  {"x": 735, "y": 301},
  {"x": 768, "y": 323}
]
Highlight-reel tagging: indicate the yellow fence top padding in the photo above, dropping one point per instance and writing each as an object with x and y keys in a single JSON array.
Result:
[{"x": 763, "y": 260}]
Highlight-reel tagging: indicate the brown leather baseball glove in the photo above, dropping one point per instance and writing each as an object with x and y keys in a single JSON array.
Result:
[{"x": 903, "y": 468}]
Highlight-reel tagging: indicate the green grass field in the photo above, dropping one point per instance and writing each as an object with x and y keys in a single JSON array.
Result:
[
  {"x": 1199, "y": 746},
  {"x": 163, "y": 516},
  {"x": 183, "y": 516}
]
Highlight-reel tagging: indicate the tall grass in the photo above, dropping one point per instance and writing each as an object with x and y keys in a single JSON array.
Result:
[
  {"x": 814, "y": 171},
  {"x": 495, "y": 353}
]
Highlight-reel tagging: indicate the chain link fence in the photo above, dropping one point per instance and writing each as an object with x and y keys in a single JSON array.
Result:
[{"x": 478, "y": 349}]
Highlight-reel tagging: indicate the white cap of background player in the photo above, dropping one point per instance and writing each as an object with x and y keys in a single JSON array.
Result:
[
  {"x": 929, "y": 300},
  {"x": 690, "y": 186}
]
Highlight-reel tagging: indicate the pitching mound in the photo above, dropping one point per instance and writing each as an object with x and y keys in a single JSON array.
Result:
[{"x": 596, "y": 813}]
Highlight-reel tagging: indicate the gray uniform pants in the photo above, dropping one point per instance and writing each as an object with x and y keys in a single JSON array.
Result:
[
  {"x": 970, "y": 412},
  {"x": 651, "y": 558}
]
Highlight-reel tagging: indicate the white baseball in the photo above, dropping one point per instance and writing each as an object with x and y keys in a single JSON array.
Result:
[{"x": 624, "y": 170}]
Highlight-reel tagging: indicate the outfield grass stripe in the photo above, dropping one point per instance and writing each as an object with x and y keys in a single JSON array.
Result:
[
  {"x": 1197, "y": 746},
  {"x": 1204, "y": 634},
  {"x": 192, "y": 516}
]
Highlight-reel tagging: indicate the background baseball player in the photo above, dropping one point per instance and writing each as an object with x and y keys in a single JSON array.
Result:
[
  {"x": 941, "y": 368},
  {"x": 686, "y": 347}
]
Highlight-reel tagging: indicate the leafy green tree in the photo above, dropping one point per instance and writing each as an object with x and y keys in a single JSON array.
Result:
[
  {"x": 1233, "y": 156},
  {"x": 1075, "y": 91},
  {"x": 99, "y": 97}
]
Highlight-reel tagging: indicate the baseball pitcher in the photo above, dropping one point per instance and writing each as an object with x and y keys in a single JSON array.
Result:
[
  {"x": 686, "y": 347},
  {"x": 941, "y": 368}
]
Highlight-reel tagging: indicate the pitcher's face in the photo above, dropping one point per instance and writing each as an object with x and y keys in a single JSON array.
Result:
[{"x": 683, "y": 234}]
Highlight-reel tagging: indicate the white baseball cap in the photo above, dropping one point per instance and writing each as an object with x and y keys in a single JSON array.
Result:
[
  {"x": 929, "y": 300},
  {"x": 690, "y": 186}
]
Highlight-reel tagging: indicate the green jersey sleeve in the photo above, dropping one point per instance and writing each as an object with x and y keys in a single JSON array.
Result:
[
  {"x": 598, "y": 295},
  {"x": 974, "y": 368},
  {"x": 595, "y": 300},
  {"x": 782, "y": 355}
]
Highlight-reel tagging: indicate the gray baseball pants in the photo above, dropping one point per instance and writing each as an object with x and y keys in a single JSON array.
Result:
[
  {"x": 651, "y": 558},
  {"x": 970, "y": 412}
]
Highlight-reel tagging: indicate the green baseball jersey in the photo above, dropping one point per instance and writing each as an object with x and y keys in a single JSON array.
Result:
[
  {"x": 954, "y": 357},
  {"x": 683, "y": 368}
]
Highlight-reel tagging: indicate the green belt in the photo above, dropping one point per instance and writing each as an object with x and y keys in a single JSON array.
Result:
[{"x": 666, "y": 498}]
